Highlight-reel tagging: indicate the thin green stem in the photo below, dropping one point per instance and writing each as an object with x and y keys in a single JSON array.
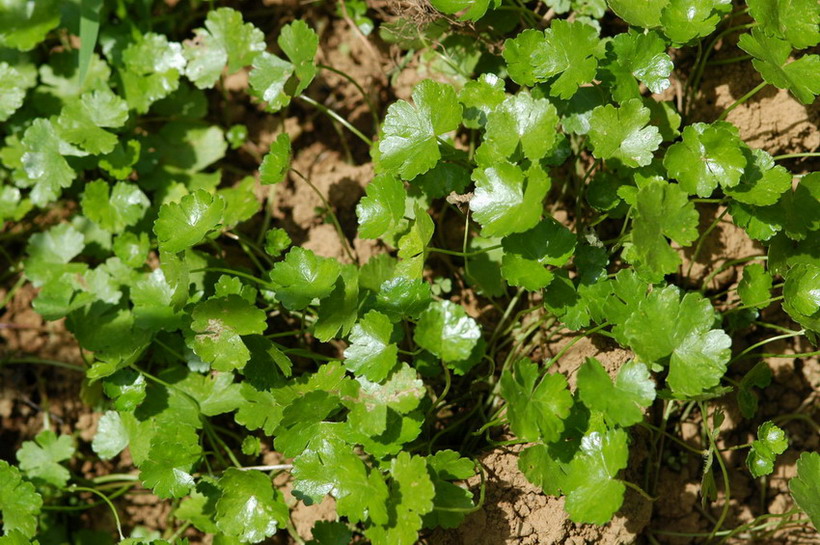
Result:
[
  {"x": 639, "y": 490},
  {"x": 702, "y": 238},
  {"x": 103, "y": 497},
  {"x": 333, "y": 115},
  {"x": 727, "y": 490},
  {"x": 726, "y": 265},
  {"x": 742, "y": 100},
  {"x": 178, "y": 533},
  {"x": 766, "y": 341},
  {"x": 732, "y": 60},
  {"x": 464, "y": 254},
  {"x": 359, "y": 88},
  {"x": 572, "y": 343},
  {"x": 796, "y": 155},
  {"x": 41, "y": 361},
  {"x": 12, "y": 292},
  {"x": 675, "y": 439},
  {"x": 345, "y": 243},
  {"x": 240, "y": 274}
]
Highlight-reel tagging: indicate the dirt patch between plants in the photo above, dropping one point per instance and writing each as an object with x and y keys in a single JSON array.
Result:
[{"x": 517, "y": 513}]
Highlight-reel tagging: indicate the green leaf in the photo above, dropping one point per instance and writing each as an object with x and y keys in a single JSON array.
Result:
[
  {"x": 755, "y": 288},
  {"x": 12, "y": 90},
  {"x": 401, "y": 297},
  {"x": 467, "y": 10},
  {"x": 331, "y": 467},
  {"x": 452, "y": 502},
  {"x": 43, "y": 162},
  {"x": 593, "y": 492},
  {"x": 762, "y": 182},
  {"x": 126, "y": 387},
  {"x": 111, "y": 437},
  {"x": 268, "y": 78},
  {"x": 409, "y": 146},
  {"x": 640, "y": 57},
  {"x": 150, "y": 70},
  {"x": 685, "y": 20},
  {"x": 302, "y": 277},
  {"x": 241, "y": 203},
  {"x": 662, "y": 211},
  {"x": 536, "y": 406},
  {"x": 218, "y": 324},
  {"x": 300, "y": 43},
  {"x": 802, "y": 295},
  {"x": 182, "y": 225},
  {"x": 640, "y": 13},
  {"x": 445, "y": 330},
  {"x": 801, "y": 77},
  {"x": 759, "y": 376},
  {"x": 250, "y": 508},
  {"x": 666, "y": 325},
  {"x": 804, "y": 487},
  {"x": 25, "y": 24},
  {"x": 40, "y": 459},
  {"x": 19, "y": 502},
  {"x": 770, "y": 442},
  {"x": 276, "y": 241},
  {"x": 623, "y": 401},
  {"x": 796, "y": 21},
  {"x": 622, "y": 133},
  {"x": 566, "y": 49},
  {"x": 521, "y": 120},
  {"x": 708, "y": 156},
  {"x": 276, "y": 163},
  {"x": 326, "y": 532},
  {"x": 339, "y": 310},
  {"x": 216, "y": 393},
  {"x": 81, "y": 120},
  {"x": 199, "y": 508},
  {"x": 381, "y": 211},
  {"x": 506, "y": 200},
  {"x": 153, "y": 298},
  {"x": 480, "y": 97},
  {"x": 116, "y": 209},
  {"x": 49, "y": 252},
  {"x": 370, "y": 402},
  {"x": 411, "y": 497},
  {"x": 371, "y": 354},
  {"x": 226, "y": 39},
  {"x": 526, "y": 254},
  {"x": 192, "y": 146},
  {"x": 171, "y": 458}
]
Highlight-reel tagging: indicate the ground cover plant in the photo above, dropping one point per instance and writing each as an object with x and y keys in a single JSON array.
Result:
[{"x": 544, "y": 180}]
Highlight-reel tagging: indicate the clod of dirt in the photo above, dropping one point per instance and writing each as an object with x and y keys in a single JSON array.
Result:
[{"x": 517, "y": 513}]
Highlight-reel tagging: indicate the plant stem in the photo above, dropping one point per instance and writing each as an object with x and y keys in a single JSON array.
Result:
[
  {"x": 464, "y": 254},
  {"x": 240, "y": 274},
  {"x": 702, "y": 238},
  {"x": 361, "y": 90},
  {"x": 333, "y": 115},
  {"x": 53, "y": 363},
  {"x": 572, "y": 343},
  {"x": 75, "y": 488},
  {"x": 732, "y": 60},
  {"x": 727, "y": 265},
  {"x": 795, "y": 155},
  {"x": 274, "y": 467},
  {"x": 766, "y": 341},
  {"x": 742, "y": 99},
  {"x": 345, "y": 243}
]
